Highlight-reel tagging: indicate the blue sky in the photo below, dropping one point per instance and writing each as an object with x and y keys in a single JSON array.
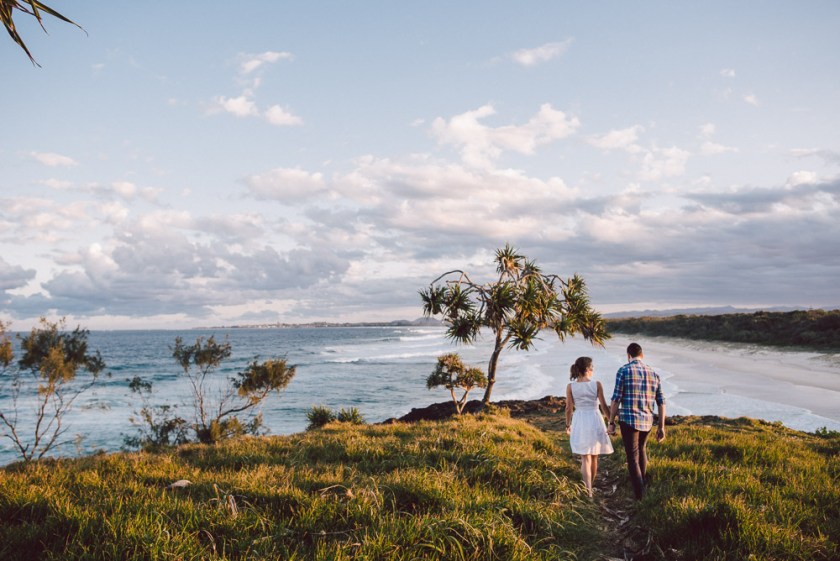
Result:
[{"x": 296, "y": 161}]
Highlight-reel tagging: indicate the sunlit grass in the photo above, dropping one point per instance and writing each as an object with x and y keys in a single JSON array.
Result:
[
  {"x": 471, "y": 488},
  {"x": 743, "y": 489},
  {"x": 487, "y": 487}
]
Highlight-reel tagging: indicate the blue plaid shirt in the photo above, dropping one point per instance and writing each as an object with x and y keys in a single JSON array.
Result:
[{"x": 637, "y": 386}]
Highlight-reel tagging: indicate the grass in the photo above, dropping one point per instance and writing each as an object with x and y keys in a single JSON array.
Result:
[
  {"x": 744, "y": 489},
  {"x": 471, "y": 488},
  {"x": 485, "y": 487}
]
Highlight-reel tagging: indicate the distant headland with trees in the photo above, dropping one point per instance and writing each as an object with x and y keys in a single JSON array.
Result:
[{"x": 809, "y": 329}]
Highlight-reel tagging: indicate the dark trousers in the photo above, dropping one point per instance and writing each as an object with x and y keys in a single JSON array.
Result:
[{"x": 634, "y": 446}]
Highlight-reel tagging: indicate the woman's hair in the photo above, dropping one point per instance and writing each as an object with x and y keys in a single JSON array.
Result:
[{"x": 580, "y": 367}]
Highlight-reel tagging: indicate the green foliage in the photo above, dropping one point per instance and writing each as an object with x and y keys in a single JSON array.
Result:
[
  {"x": 158, "y": 426},
  {"x": 451, "y": 373},
  {"x": 31, "y": 7},
  {"x": 261, "y": 378},
  {"x": 318, "y": 416},
  {"x": 516, "y": 307},
  {"x": 350, "y": 415},
  {"x": 51, "y": 359},
  {"x": 742, "y": 489},
  {"x": 812, "y": 329},
  {"x": 7, "y": 354},
  {"x": 216, "y": 410},
  {"x": 472, "y": 489}
]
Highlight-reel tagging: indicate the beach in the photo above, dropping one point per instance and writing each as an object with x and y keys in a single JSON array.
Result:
[{"x": 800, "y": 389}]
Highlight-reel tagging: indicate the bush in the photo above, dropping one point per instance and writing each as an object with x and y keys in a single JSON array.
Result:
[
  {"x": 319, "y": 416},
  {"x": 351, "y": 415}
]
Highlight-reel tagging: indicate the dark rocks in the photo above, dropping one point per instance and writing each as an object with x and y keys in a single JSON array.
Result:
[{"x": 518, "y": 408}]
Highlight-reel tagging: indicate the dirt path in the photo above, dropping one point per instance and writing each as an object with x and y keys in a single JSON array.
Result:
[{"x": 627, "y": 540}]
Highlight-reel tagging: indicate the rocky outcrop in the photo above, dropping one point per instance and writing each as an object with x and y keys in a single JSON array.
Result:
[{"x": 548, "y": 405}]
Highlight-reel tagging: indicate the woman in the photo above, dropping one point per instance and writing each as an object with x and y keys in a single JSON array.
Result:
[{"x": 588, "y": 433}]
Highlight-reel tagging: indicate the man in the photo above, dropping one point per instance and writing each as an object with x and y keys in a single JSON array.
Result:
[{"x": 637, "y": 387}]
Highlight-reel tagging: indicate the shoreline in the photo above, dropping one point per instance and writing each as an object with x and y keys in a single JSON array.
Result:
[{"x": 799, "y": 388}]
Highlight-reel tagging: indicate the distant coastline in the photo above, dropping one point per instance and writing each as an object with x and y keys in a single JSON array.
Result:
[{"x": 420, "y": 322}]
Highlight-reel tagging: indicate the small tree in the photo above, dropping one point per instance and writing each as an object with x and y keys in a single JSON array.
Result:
[
  {"x": 216, "y": 419},
  {"x": 451, "y": 373},
  {"x": 51, "y": 360},
  {"x": 516, "y": 307},
  {"x": 158, "y": 427}
]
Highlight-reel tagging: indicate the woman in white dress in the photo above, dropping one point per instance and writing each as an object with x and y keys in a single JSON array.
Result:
[{"x": 588, "y": 433}]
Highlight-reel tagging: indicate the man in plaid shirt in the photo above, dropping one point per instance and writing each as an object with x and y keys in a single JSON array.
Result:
[{"x": 637, "y": 387}]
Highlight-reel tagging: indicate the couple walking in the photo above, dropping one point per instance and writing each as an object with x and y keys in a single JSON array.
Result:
[{"x": 637, "y": 388}]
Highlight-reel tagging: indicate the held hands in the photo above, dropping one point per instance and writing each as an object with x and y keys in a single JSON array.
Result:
[{"x": 611, "y": 429}]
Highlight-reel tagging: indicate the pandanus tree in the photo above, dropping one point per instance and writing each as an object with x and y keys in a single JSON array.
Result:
[
  {"x": 515, "y": 307},
  {"x": 452, "y": 373},
  {"x": 31, "y": 7}
]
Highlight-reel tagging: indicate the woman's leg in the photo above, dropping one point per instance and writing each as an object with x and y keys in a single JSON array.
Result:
[
  {"x": 586, "y": 472},
  {"x": 594, "y": 469}
]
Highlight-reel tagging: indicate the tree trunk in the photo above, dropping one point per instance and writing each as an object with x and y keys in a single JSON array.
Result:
[{"x": 491, "y": 368}]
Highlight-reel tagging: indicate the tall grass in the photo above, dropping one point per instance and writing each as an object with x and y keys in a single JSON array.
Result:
[
  {"x": 743, "y": 489},
  {"x": 471, "y": 488}
]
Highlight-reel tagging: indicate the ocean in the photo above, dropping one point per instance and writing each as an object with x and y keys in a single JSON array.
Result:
[{"x": 381, "y": 371}]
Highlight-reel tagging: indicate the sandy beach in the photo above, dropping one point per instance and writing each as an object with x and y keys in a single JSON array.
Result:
[{"x": 800, "y": 389}]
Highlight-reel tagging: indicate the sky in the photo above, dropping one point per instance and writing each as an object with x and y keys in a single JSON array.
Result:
[{"x": 174, "y": 166}]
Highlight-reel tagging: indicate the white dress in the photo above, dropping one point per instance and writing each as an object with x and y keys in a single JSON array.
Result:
[{"x": 589, "y": 433}]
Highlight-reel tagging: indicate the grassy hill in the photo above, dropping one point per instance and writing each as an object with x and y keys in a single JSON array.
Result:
[{"x": 480, "y": 487}]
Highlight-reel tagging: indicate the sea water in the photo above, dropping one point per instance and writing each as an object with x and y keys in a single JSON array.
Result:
[{"x": 381, "y": 371}]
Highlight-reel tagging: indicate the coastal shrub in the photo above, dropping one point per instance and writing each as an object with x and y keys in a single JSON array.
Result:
[
  {"x": 515, "y": 307},
  {"x": 157, "y": 425},
  {"x": 350, "y": 415},
  {"x": 220, "y": 411},
  {"x": 43, "y": 385},
  {"x": 318, "y": 416},
  {"x": 451, "y": 373}
]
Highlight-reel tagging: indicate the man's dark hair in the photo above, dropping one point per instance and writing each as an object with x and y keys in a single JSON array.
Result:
[{"x": 634, "y": 350}]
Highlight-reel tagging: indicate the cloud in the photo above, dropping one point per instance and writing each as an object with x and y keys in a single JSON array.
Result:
[
  {"x": 14, "y": 276},
  {"x": 241, "y": 106},
  {"x": 419, "y": 206},
  {"x": 709, "y": 148},
  {"x": 623, "y": 139},
  {"x": 52, "y": 159},
  {"x": 480, "y": 144},
  {"x": 802, "y": 178},
  {"x": 665, "y": 162},
  {"x": 752, "y": 99},
  {"x": 830, "y": 157},
  {"x": 541, "y": 54},
  {"x": 251, "y": 62},
  {"x": 727, "y": 73},
  {"x": 281, "y": 117},
  {"x": 285, "y": 184}
]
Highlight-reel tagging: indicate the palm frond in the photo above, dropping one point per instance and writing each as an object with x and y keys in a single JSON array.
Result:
[{"x": 33, "y": 8}]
